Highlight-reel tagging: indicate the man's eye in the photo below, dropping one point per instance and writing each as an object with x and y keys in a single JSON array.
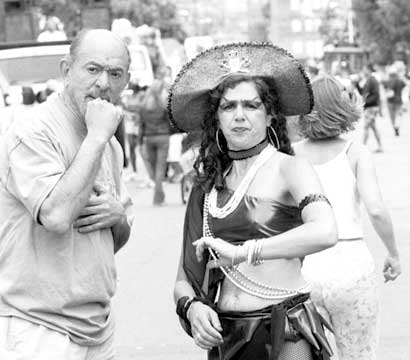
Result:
[
  {"x": 92, "y": 70},
  {"x": 116, "y": 74}
]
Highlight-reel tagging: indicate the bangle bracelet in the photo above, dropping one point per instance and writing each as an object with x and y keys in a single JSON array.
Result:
[
  {"x": 251, "y": 249},
  {"x": 258, "y": 251},
  {"x": 233, "y": 256}
]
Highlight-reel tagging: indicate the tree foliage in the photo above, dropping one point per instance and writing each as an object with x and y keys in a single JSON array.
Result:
[
  {"x": 161, "y": 14},
  {"x": 67, "y": 11},
  {"x": 384, "y": 28},
  {"x": 333, "y": 29}
]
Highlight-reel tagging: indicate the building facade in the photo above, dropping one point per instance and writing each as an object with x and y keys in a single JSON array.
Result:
[
  {"x": 295, "y": 25},
  {"x": 291, "y": 24},
  {"x": 225, "y": 20}
]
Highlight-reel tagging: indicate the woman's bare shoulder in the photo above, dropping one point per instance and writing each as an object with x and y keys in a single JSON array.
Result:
[
  {"x": 299, "y": 146},
  {"x": 357, "y": 151},
  {"x": 291, "y": 166}
]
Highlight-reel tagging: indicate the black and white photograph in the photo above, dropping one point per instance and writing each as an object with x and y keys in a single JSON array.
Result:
[{"x": 204, "y": 179}]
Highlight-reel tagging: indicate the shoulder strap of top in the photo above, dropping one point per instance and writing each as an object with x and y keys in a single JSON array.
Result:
[{"x": 347, "y": 146}]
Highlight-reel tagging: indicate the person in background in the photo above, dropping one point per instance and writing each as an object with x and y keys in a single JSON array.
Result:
[
  {"x": 155, "y": 132},
  {"x": 52, "y": 31},
  {"x": 132, "y": 105},
  {"x": 371, "y": 97},
  {"x": 343, "y": 278},
  {"x": 393, "y": 89},
  {"x": 18, "y": 111},
  {"x": 64, "y": 211},
  {"x": 174, "y": 158}
]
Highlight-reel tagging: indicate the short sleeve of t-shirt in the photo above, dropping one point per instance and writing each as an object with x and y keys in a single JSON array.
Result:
[{"x": 34, "y": 168}]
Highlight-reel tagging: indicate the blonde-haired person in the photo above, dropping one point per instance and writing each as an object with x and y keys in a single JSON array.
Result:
[{"x": 343, "y": 278}]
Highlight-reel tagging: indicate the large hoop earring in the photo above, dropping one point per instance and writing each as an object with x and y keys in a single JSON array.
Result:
[
  {"x": 276, "y": 142},
  {"x": 217, "y": 140}
]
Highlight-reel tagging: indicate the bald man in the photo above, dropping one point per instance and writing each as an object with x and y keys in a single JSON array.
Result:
[{"x": 63, "y": 211}]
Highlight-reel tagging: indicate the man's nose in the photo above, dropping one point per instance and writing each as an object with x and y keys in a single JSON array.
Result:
[{"x": 103, "y": 81}]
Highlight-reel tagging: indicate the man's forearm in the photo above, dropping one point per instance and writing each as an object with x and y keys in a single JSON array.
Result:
[{"x": 73, "y": 190}]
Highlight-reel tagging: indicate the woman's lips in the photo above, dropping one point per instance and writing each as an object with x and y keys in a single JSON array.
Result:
[{"x": 239, "y": 129}]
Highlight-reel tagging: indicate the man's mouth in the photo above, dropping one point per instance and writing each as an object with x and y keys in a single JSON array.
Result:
[{"x": 91, "y": 97}]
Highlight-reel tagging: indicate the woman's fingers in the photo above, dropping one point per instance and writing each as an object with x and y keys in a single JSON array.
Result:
[
  {"x": 200, "y": 247},
  {"x": 213, "y": 317},
  {"x": 202, "y": 318},
  {"x": 391, "y": 269},
  {"x": 201, "y": 342},
  {"x": 213, "y": 264},
  {"x": 391, "y": 274}
]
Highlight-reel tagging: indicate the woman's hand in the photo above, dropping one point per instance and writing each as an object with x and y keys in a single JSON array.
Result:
[
  {"x": 391, "y": 268},
  {"x": 228, "y": 254},
  {"x": 205, "y": 326}
]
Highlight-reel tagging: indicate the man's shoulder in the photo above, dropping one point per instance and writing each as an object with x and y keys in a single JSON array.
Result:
[
  {"x": 34, "y": 125},
  {"x": 29, "y": 125}
]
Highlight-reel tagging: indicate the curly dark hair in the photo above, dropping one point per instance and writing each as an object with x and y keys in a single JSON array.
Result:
[{"x": 211, "y": 162}]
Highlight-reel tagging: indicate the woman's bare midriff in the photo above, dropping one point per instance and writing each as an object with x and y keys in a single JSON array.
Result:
[{"x": 280, "y": 273}]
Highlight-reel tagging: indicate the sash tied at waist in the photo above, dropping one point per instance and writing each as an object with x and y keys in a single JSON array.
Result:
[{"x": 290, "y": 320}]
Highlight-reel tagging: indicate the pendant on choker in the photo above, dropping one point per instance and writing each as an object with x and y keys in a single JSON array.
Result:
[{"x": 245, "y": 154}]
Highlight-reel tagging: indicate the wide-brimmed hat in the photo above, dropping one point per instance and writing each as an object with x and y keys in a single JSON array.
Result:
[{"x": 188, "y": 100}]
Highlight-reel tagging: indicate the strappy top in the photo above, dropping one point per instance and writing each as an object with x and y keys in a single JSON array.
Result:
[
  {"x": 254, "y": 218},
  {"x": 339, "y": 184}
]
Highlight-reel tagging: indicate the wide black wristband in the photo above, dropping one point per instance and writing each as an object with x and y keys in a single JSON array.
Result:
[{"x": 181, "y": 303}]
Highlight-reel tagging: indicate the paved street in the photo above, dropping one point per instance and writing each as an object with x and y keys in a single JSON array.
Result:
[{"x": 147, "y": 327}]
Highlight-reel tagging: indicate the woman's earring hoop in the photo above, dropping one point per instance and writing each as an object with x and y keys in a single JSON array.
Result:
[
  {"x": 217, "y": 141},
  {"x": 276, "y": 142}
]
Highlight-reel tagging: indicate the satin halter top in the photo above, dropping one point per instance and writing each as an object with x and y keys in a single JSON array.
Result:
[{"x": 254, "y": 218}]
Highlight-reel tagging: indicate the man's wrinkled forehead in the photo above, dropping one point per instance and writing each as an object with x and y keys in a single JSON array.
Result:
[
  {"x": 104, "y": 50},
  {"x": 103, "y": 61}
]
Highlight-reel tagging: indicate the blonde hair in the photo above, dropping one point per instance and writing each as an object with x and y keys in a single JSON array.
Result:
[{"x": 335, "y": 111}]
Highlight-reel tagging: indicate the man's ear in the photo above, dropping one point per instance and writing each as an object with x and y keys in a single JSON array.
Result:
[
  {"x": 64, "y": 65},
  {"x": 128, "y": 77}
]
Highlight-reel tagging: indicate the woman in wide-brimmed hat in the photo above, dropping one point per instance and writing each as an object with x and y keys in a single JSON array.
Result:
[{"x": 256, "y": 210}]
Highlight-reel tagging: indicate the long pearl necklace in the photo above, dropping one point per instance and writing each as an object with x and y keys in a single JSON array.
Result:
[
  {"x": 233, "y": 274},
  {"x": 239, "y": 193}
]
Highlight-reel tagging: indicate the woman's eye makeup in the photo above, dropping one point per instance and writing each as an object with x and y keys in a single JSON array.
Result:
[
  {"x": 247, "y": 104},
  {"x": 252, "y": 104},
  {"x": 228, "y": 105}
]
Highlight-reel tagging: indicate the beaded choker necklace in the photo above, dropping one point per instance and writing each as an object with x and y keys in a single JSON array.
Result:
[{"x": 244, "y": 154}]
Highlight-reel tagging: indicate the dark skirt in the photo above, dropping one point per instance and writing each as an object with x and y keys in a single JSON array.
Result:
[{"x": 261, "y": 334}]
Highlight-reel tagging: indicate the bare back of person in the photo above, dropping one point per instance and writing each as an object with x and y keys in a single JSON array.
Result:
[{"x": 320, "y": 152}]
